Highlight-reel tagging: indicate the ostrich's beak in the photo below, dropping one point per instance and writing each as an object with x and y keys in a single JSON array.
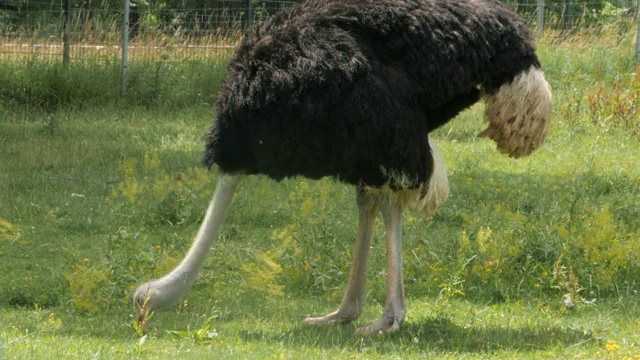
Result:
[{"x": 142, "y": 317}]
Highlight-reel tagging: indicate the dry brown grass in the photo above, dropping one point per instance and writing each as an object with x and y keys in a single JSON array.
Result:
[{"x": 101, "y": 39}]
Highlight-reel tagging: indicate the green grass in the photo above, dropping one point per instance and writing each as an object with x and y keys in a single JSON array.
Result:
[
  {"x": 99, "y": 195},
  {"x": 462, "y": 329},
  {"x": 48, "y": 85}
]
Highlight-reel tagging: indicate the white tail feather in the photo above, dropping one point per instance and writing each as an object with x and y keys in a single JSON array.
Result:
[{"x": 419, "y": 199}]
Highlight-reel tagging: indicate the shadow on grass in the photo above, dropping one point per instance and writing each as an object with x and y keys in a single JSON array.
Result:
[{"x": 433, "y": 334}]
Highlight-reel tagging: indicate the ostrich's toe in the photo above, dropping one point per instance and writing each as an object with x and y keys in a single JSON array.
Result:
[
  {"x": 337, "y": 317},
  {"x": 384, "y": 325}
]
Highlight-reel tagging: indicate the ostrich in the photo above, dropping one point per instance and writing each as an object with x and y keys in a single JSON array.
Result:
[{"x": 350, "y": 89}]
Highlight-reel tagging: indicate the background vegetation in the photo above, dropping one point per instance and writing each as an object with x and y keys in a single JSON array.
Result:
[
  {"x": 208, "y": 14},
  {"x": 531, "y": 258}
]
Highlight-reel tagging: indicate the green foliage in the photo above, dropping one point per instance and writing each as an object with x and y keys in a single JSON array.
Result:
[
  {"x": 568, "y": 284},
  {"x": 149, "y": 193},
  {"x": 148, "y": 197},
  {"x": 316, "y": 244},
  {"x": 205, "y": 334},
  {"x": 601, "y": 249},
  {"x": 261, "y": 274},
  {"x": 614, "y": 104},
  {"x": 587, "y": 12},
  {"x": 600, "y": 86},
  {"x": 48, "y": 85},
  {"x": 33, "y": 290}
]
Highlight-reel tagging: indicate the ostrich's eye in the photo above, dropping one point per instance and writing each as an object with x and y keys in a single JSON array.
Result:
[{"x": 139, "y": 302}]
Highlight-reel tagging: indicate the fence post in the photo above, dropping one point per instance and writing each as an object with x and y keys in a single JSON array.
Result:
[
  {"x": 540, "y": 22},
  {"x": 566, "y": 15},
  {"x": 66, "y": 35},
  {"x": 125, "y": 48},
  {"x": 249, "y": 19}
]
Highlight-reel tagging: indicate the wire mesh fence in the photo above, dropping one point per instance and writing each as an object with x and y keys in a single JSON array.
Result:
[
  {"x": 41, "y": 30},
  {"x": 571, "y": 14},
  {"x": 194, "y": 30}
]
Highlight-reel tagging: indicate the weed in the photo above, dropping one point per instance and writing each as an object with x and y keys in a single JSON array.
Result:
[
  {"x": 454, "y": 283},
  {"x": 313, "y": 246},
  {"x": 83, "y": 282},
  {"x": 170, "y": 197},
  {"x": 139, "y": 324},
  {"x": 568, "y": 284},
  {"x": 203, "y": 335},
  {"x": 261, "y": 275},
  {"x": 600, "y": 248},
  {"x": 10, "y": 232},
  {"x": 614, "y": 104}
]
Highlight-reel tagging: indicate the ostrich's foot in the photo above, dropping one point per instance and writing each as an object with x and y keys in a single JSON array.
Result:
[
  {"x": 387, "y": 324},
  {"x": 343, "y": 315}
]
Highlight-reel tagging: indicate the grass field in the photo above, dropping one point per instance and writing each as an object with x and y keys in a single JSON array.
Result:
[{"x": 531, "y": 258}]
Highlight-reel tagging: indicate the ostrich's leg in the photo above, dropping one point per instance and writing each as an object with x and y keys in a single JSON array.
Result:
[
  {"x": 394, "y": 310},
  {"x": 353, "y": 300}
]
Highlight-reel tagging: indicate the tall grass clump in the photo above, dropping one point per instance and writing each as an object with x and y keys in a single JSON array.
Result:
[
  {"x": 50, "y": 86},
  {"x": 594, "y": 74}
]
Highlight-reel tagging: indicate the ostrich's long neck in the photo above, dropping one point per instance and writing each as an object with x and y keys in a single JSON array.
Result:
[{"x": 179, "y": 281}]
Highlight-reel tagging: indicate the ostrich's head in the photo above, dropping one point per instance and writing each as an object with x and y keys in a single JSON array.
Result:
[{"x": 147, "y": 298}]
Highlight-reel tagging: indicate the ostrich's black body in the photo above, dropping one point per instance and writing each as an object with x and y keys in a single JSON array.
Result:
[{"x": 351, "y": 88}]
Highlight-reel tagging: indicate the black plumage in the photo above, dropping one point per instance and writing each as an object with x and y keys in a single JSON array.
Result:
[{"x": 351, "y": 88}]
